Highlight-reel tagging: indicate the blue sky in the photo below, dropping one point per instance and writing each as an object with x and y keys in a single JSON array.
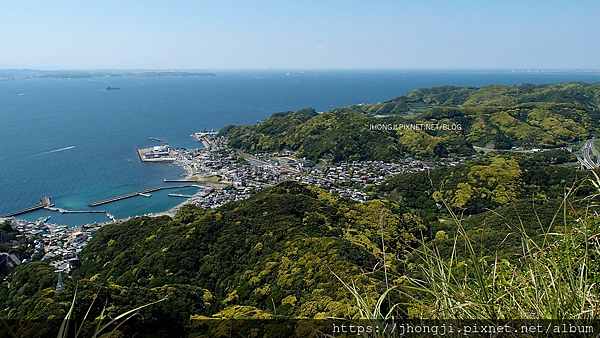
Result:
[{"x": 306, "y": 34}]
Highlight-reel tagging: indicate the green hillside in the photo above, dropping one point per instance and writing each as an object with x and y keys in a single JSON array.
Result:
[
  {"x": 501, "y": 117},
  {"x": 487, "y": 182},
  {"x": 277, "y": 253}
]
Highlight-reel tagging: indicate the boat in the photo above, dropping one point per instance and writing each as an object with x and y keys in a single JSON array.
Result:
[
  {"x": 112, "y": 88},
  {"x": 181, "y": 195}
]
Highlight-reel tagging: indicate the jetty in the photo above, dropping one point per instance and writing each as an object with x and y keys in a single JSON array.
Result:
[
  {"x": 162, "y": 142},
  {"x": 142, "y": 193},
  {"x": 64, "y": 211},
  {"x": 208, "y": 139},
  {"x": 43, "y": 203}
]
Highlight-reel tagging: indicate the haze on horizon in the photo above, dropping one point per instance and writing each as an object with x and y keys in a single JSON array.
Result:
[{"x": 309, "y": 34}]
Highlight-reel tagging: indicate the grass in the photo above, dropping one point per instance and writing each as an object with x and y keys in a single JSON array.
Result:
[
  {"x": 211, "y": 179},
  {"x": 549, "y": 280},
  {"x": 554, "y": 278},
  {"x": 99, "y": 328}
]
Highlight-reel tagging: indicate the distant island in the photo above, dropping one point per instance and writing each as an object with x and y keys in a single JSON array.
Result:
[
  {"x": 178, "y": 74},
  {"x": 15, "y": 74}
]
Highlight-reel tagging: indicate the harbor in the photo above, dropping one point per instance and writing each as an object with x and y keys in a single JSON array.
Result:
[
  {"x": 160, "y": 153},
  {"x": 45, "y": 202},
  {"x": 61, "y": 244},
  {"x": 224, "y": 176},
  {"x": 221, "y": 175}
]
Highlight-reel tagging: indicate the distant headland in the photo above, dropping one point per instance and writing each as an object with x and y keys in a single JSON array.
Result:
[{"x": 14, "y": 74}]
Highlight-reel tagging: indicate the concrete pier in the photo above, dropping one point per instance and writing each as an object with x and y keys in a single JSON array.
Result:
[
  {"x": 44, "y": 203},
  {"x": 141, "y": 193},
  {"x": 64, "y": 211}
]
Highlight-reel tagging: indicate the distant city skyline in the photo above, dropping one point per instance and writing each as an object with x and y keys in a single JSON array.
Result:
[{"x": 429, "y": 34}]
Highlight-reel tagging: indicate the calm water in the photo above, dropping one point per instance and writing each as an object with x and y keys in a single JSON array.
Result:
[{"x": 74, "y": 141}]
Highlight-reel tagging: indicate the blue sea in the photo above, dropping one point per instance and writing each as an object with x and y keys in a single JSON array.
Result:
[{"x": 74, "y": 141}]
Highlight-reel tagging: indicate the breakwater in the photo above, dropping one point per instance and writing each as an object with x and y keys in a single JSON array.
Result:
[
  {"x": 142, "y": 193},
  {"x": 43, "y": 203}
]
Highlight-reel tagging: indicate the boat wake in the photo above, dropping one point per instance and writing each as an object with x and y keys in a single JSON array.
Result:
[
  {"x": 57, "y": 150},
  {"x": 35, "y": 155}
]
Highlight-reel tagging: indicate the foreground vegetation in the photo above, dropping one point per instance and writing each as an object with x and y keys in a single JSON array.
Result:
[{"x": 554, "y": 275}]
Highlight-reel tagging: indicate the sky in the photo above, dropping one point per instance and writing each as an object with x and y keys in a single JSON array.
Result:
[{"x": 307, "y": 34}]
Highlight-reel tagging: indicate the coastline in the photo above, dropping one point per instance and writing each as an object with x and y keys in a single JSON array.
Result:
[
  {"x": 193, "y": 177},
  {"x": 190, "y": 175}
]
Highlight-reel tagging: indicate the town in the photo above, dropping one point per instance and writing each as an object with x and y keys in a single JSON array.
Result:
[
  {"x": 222, "y": 175},
  {"x": 57, "y": 243},
  {"x": 235, "y": 175}
]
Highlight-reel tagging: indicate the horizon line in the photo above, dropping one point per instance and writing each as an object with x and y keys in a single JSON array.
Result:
[{"x": 528, "y": 69}]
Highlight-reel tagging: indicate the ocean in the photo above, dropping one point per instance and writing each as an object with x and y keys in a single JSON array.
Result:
[{"x": 74, "y": 141}]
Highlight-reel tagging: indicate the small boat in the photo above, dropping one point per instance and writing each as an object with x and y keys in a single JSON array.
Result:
[
  {"x": 181, "y": 195},
  {"x": 112, "y": 88}
]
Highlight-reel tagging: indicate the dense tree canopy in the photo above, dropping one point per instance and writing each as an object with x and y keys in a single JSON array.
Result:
[{"x": 543, "y": 116}]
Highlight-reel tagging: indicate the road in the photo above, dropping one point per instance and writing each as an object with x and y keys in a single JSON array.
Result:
[{"x": 587, "y": 162}]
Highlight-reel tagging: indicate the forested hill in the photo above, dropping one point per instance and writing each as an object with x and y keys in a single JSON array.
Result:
[
  {"x": 495, "y": 116},
  {"x": 274, "y": 254}
]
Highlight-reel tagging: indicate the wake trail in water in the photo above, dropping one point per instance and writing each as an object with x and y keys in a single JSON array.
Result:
[
  {"x": 55, "y": 150},
  {"x": 40, "y": 154}
]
